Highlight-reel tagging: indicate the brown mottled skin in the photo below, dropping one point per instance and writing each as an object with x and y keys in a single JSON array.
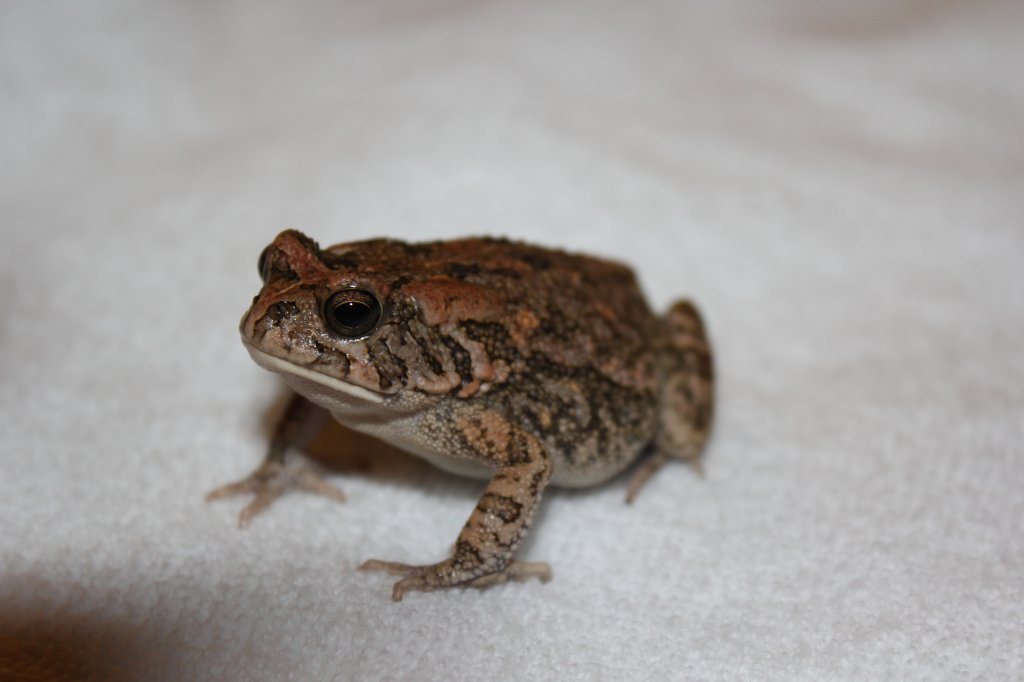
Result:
[{"x": 491, "y": 358}]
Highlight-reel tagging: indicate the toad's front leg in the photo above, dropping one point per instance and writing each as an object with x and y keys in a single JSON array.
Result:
[
  {"x": 299, "y": 422},
  {"x": 483, "y": 553}
]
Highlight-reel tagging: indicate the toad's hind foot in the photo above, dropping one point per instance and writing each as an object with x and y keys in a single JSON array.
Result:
[
  {"x": 271, "y": 480},
  {"x": 446, "y": 574},
  {"x": 648, "y": 468}
]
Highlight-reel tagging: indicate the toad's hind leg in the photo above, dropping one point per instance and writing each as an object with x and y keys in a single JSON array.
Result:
[
  {"x": 484, "y": 551},
  {"x": 686, "y": 401}
]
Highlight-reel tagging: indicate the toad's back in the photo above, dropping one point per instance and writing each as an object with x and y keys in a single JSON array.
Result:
[{"x": 568, "y": 340}]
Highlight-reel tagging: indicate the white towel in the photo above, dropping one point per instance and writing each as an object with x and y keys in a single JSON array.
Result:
[{"x": 838, "y": 185}]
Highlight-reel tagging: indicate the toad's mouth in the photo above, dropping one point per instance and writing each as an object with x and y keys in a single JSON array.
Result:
[{"x": 320, "y": 388}]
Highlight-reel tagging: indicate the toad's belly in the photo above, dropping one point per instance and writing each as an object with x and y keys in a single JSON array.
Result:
[{"x": 579, "y": 470}]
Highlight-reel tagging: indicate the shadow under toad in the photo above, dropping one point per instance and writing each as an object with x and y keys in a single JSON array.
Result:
[{"x": 40, "y": 647}]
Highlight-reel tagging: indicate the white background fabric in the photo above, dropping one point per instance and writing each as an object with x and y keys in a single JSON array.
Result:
[{"x": 837, "y": 184}]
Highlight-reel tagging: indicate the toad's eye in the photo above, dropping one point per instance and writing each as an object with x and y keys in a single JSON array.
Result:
[{"x": 352, "y": 313}]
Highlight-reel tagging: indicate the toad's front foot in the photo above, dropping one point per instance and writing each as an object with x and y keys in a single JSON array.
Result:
[
  {"x": 448, "y": 574},
  {"x": 271, "y": 480}
]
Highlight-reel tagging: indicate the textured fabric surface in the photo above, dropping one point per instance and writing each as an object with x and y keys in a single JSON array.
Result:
[{"x": 837, "y": 184}]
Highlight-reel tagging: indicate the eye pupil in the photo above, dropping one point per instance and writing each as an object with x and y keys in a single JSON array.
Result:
[{"x": 352, "y": 313}]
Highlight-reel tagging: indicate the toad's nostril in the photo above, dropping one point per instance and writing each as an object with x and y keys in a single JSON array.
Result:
[{"x": 281, "y": 311}]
